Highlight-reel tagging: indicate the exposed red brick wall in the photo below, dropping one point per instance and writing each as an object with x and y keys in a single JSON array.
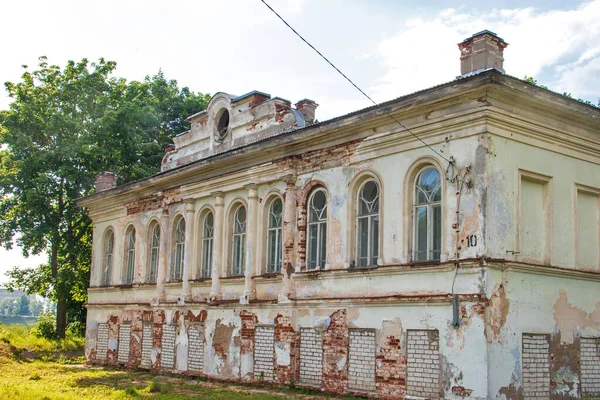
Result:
[
  {"x": 158, "y": 319},
  {"x": 390, "y": 378},
  {"x": 135, "y": 341},
  {"x": 249, "y": 321},
  {"x": 284, "y": 333},
  {"x": 157, "y": 200},
  {"x": 335, "y": 354},
  {"x": 113, "y": 336},
  {"x": 301, "y": 210}
]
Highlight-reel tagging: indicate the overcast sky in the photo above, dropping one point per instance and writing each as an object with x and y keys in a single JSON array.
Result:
[{"x": 389, "y": 48}]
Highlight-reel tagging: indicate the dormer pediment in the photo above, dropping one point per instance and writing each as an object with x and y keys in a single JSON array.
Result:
[{"x": 231, "y": 121}]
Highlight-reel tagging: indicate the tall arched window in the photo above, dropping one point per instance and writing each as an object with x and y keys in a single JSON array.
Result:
[
  {"x": 317, "y": 230},
  {"x": 129, "y": 255},
  {"x": 427, "y": 213},
  {"x": 107, "y": 259},
  {"x": 177, "y": 270},
  {"x": 367, "y": 224},
  {"x": 275, "y": 236},
  {"x": 154, "y": 251},
  {"x": 207, "y": 245},
  {"x": 239, "y": 241}
]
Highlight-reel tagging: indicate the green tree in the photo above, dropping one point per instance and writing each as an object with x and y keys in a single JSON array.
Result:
[{"x": 63, "y": 127}]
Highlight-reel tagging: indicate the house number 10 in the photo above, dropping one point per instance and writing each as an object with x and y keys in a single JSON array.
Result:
[{"x": 471, "y": 241}]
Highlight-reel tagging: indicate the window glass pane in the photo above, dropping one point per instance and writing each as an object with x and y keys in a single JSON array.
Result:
[
  {"x": 156, "y": 236},
  {"x": 363, "y": 241},
  {"x": 208, "y": 225},
  {"x": 180, "y": 232},
  {"x": 209, "y": 258},
  {"x": 322, "y": 244},
  {"x": 275, "y": 214},
  {"x": 374, "y": 239},
  {"x": 240, "y": 220},
  {"x": 429, "y": 184},
  {"x": 153, "y": 264},
  {"x": 437, "y": 232},
  {"x": 279, "y": 249},
  {"x": 243, "y": 255},
  {"x": 272, "y": 256},
  {"x": 236, "y": 255},
  {"x": 421, "y": 234},
  {"x": 312, "y": 246},
  {"x": 318, "y": 206}
]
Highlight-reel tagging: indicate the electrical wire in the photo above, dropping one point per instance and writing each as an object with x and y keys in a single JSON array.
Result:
[{"x": 352, "y": 83}]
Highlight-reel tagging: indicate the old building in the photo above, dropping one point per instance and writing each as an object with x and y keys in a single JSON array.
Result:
[{"x": 347, "y": 255}]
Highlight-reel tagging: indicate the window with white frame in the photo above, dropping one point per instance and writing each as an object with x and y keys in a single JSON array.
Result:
[
  {"x": 239, "y": 241},
  {"x": 207, "y": 245},
  {"x": 154, "y": 252},
  {"x": 177, "y": 270},
  {"x": 367, "y": 224},
  {"x": 275, "y": 236},
  {"x": 129, "y": 255},
  {"x": 107, "y": 262},
  {"x": 317, "y": 230},
  {"x": 427, "y": 213}
]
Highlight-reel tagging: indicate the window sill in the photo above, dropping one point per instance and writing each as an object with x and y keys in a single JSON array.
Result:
[{"x": 270, "y": 275}]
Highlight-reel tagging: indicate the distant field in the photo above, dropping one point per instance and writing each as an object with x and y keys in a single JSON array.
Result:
[{"x": 17, "y": 320}]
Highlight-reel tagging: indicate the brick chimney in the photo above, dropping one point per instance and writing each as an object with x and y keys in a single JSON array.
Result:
[
  {"x": 307, "y": 108},
  {"x": 105, "y": 180},
  {"x": 483, "y": 50}
]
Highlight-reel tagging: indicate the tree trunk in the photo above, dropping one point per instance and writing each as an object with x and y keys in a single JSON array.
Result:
[{"x": 61, "y": 318}]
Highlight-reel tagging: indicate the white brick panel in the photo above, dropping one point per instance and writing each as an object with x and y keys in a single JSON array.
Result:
[
  {"x": 264, "y": 352},
  {"x": 423, "y": 364},
  {"x": 102, "y": 342},
  {"x": 196, "y": 348},
  {"x": 124, "y": 340},
  {"x": 590, "y": 367},
  {"x": 361, "y": 366},
  {"x": 146, "y": 345},
  {"x": 311, "y": 356},
  {"x": 167, "y": 357},
  {"x": 536, "y": 366}
]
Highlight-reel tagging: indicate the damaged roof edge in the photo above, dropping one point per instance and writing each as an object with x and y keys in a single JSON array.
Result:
[{"x": 485, "y": 77}]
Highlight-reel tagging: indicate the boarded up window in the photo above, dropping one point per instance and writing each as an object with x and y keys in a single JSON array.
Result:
[
  {"x": 361, "y": 366},
  {"x": 167, "y": 357},
  {"x": 146, "y": 345},
  {"x": 102, "y": 342},
  {"x": 535, "y": 217},
  {"x": 195, "y": 348},
  {"x": 590, "y": 367},
  {"x": 311, "y": 357},
  {"x": 423, "y": 364},
  {"x": 588, "y": 235},
  {"x": 264, "y": 352},
  {"x": 536, "y": 366},
  {"x": 124, "y": 340}
]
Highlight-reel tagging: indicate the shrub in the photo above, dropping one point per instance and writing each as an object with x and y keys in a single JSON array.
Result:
[
  {"x": 76, "y": 328},
  {"x": 45, "y": 326},
  {"x": 154, "y": 387}
]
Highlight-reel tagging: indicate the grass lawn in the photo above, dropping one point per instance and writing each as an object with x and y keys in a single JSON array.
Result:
[{"x": 39, "y": 369}]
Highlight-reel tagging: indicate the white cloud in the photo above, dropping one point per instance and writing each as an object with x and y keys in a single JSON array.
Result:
[{"x": 562, "y": 47}]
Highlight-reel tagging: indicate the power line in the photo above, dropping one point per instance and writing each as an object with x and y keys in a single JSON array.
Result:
[{"x": 352, "y": 83}]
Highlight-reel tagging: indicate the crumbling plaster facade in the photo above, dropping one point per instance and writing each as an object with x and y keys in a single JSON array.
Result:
[{"x": 520, "y": 207}]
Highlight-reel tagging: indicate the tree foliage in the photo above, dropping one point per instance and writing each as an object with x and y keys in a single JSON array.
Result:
[{"x": 63, "y": 127}]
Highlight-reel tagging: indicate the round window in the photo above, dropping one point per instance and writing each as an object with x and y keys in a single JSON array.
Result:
[{"x": 222, "y": 124}]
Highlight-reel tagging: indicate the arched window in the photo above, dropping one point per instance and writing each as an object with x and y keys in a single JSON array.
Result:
[
  {"x": 207, "y": 245},
  {"x": 129, "y": 255},
  {"x": 367, "y": 224},
  {"x": 107, "y": 262},
  {"x": 317, "y": 230},
  {"x": 275, "y": 236},
  {"x": 177, "y": 270},
  {"x": 427, "y": 213},
  {"x": 154, "y": 251},
  {"x": 239, "y": 241}
]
